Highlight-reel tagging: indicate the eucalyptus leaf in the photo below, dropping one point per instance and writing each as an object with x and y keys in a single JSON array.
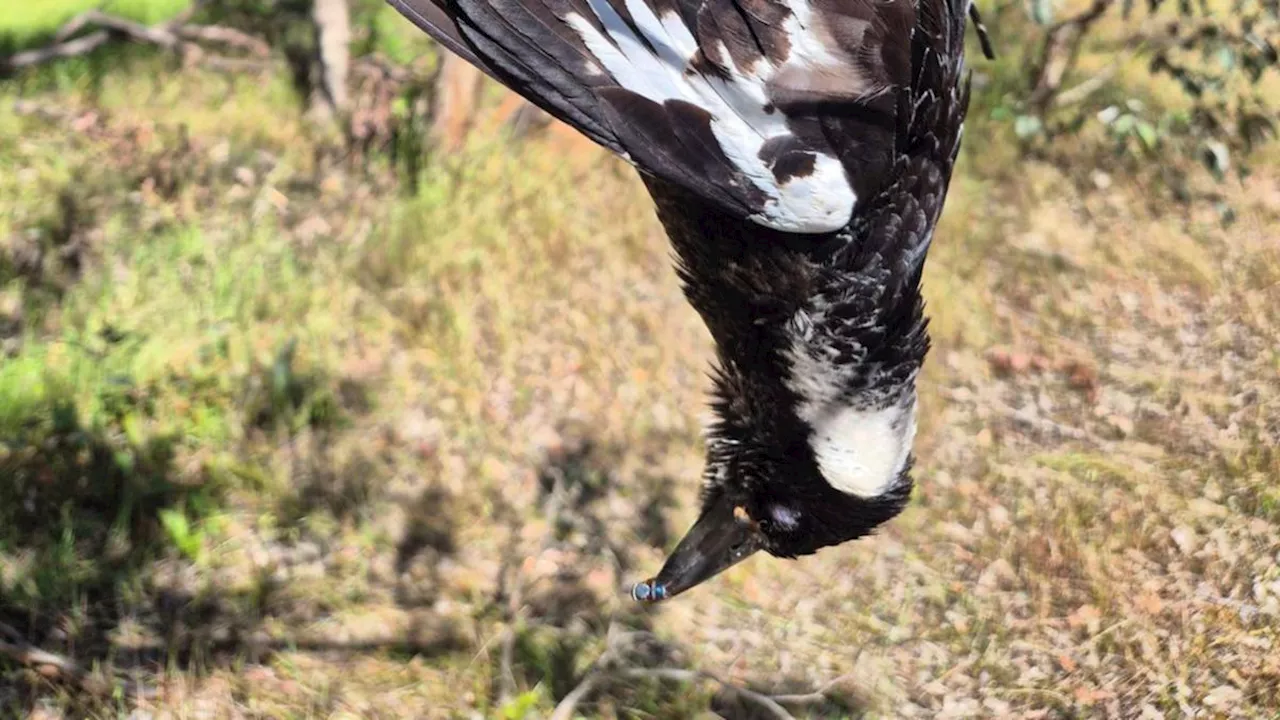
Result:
[{"x": 1147, "y": 133}]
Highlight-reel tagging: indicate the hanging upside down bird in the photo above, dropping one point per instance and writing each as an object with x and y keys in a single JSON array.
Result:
[{"x": 798, "y": 153}]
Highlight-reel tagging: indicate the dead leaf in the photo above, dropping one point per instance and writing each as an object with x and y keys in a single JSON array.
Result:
[
  {"x": 1089, "y": 696},
  {"x": 1150, "y": 603},
  {"x": 1082, "y": 376},
  {"x": 1085, "y": 616},
  {"x": 1000, "y": 359}
]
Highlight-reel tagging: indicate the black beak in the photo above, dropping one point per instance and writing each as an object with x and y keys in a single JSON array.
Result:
[{"x": 723, "y": 537}]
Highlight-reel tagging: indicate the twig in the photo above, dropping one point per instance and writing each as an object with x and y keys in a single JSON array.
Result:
[
  {"x": 1060, "y": 51},
  {"x": 506, "y": 663},
  {"x": 1085, "y": 88},
  {"x": 765, "y": 701},
  {"x": 569, "y": 703},
  {"x": 810, "y": 698},
  {"x": 515, "y": 618},
  {"x": 225, "y": 36},
  {"x": 158, "y": 35},
  {"x": 618, "y": 641},
  {"x": 605, "y": 667},
  {"x": 1030, "y": 420},
  {"x": 172, "y": 35},
  {"x": 73, "y": 26},
  {"x": 71, "y": 48},
  {"x": 20, "y": 651},
  {"x": 25, "y": 654}
]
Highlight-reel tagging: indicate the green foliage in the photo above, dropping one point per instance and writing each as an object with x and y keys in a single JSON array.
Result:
[
  {"x": 524, "y": 705},
  {"x": 1208, "y": 97},
  {"x": 85, "y": 469},
  {"x": 188, "y": 539}
]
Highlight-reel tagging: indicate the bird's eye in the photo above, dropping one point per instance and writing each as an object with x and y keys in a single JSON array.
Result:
[{"x": 785, "y": 517}]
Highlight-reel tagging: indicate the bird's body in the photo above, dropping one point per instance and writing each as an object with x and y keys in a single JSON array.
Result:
[{"x": 798, "y": 152}]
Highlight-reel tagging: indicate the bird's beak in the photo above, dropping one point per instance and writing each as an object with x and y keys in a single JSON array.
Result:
[{"x": 723, "y": 537}]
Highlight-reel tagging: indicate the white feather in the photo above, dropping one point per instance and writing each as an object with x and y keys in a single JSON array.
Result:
[
  {"x": 862, "y": 452},
  {"x": 862, "y": 442},
  {"x": 822, "y": 201}
]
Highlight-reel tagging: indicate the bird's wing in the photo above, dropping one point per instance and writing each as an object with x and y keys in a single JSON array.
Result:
[{"x": 783, "y": 112}]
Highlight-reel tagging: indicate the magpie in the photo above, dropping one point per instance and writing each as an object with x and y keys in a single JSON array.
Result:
[{"x": 798, "y": 153}]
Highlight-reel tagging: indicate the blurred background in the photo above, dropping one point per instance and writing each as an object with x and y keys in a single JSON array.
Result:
[{"x": 336, "y": 382}]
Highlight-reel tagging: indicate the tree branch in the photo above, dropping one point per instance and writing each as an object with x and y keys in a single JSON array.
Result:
[
  {"x": 767, "y": 702},
  {"x": 20, "y": 651},
  {"x": 608, "y": 666},
  {"x": 225, "y": 36},
  {"x": 173, "y": 35},
  {"x": 1059, "y": 52},
  {"x": 70, "y": 48}
]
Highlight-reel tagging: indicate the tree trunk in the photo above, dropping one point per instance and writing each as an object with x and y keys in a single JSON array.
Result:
[
  {"x": 456, "y": 88},
  {"x": 332, "y": 21}
]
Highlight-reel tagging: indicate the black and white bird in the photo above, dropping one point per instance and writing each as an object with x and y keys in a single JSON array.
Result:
[{"x": 798, "y": 152}]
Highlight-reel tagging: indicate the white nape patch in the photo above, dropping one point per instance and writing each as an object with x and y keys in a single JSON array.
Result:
[
  {"x": 822, "y": 201},
  {"x": 862, "y": 443},
  {"x": 861, "y": 452}
]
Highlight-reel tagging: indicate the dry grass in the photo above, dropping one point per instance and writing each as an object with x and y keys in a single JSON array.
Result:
[{"x": 364, "y": 452}]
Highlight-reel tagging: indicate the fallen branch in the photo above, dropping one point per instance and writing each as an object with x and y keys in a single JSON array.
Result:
[
  {"x": 173, "y": 35},
  {"x": 71, "y": 48},
  {"x": 158, "y": 35},
  {"x": 55, "y": 666},
  {"x": 566, "y": 706},
  {"x": 767, "y": 702},
  {"x": 225, "y": 36},
  {"x": 608, "y": 666},
  {"x": 811, "y": 698}
]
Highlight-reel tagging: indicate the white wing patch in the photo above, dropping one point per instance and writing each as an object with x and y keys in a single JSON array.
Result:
[{"x": 821, "y": 201}]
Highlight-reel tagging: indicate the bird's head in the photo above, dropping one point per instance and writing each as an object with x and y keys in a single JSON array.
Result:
[
  {"x": 814, "y": 402},
  {"x": 824, "y": 479}
]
